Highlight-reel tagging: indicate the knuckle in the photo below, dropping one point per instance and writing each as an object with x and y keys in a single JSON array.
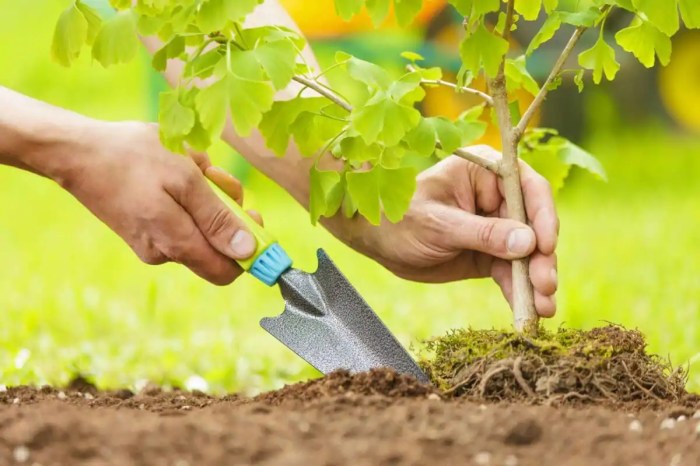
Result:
[
  {"x": 220, "y": 222},
  {"x": 486, "y": 233}
]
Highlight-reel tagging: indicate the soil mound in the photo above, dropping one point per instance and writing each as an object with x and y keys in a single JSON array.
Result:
[
  {"x": 608, "y": 365},
  {"x": 384, "y": 382}
]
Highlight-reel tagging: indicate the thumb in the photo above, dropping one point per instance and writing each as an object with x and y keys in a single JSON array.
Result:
[
  {"x": 219, "y": 225},
  {"x": 503, "y": 238}
]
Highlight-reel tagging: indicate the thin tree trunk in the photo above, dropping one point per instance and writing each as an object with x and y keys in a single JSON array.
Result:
[{"x": 524, "y": 313}]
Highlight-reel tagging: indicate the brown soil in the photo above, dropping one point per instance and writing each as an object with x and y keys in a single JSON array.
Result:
[{"x": 374, "y": 418}]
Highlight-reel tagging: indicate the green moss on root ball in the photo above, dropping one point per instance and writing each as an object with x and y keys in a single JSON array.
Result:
[{"x": 603, "y": 364}]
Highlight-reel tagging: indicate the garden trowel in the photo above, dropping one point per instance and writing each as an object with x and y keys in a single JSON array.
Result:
[{"x": 325, "y": 320}]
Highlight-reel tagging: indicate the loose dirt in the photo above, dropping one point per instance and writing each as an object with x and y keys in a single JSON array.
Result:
[{"x": 373, "y": 418}]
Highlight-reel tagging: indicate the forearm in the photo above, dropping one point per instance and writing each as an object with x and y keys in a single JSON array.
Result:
[
  {"x": 291, "y": 171},
  {"x": 36, "y": 136}
]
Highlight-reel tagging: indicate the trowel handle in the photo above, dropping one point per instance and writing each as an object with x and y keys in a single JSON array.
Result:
[{"x": 269, "y": 260}]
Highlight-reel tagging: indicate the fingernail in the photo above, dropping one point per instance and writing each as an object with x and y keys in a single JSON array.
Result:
[
  {"x": 520, "y": 241},
  {"x": 242, "y": 244},
  {"x": 555, "y": 278}
]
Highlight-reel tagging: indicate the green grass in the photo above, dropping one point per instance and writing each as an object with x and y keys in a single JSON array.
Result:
[{"x": 73, "y": 298}]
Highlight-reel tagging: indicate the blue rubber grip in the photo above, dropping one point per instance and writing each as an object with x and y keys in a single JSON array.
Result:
[{"x": 270, "y": 264}]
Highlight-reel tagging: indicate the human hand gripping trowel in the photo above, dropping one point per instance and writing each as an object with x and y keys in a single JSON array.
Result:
[{"x": 325, "y": 320}]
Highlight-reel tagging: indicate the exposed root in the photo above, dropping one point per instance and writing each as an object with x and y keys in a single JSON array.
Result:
[{"x": 607, "y": 364}]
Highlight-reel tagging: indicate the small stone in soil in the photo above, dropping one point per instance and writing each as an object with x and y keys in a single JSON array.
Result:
[
  {"x": 61, "y": 395},
  {"x": 434, "y": 397},
  {"x": 3, "y": 388},
  {"x": 511, "y": 460},
  {"x": 696, "y": 415},
  {"x": 483, "y": 458},
  {"x": 681, "y": 418},
  {"x": 635, "y": 426},
  {"x": 15, "y": 401},
  {"x": 21, "y": 454},
  {"x": 668, "y": 423}
]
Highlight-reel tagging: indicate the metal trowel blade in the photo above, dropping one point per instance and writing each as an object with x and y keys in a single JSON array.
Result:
[{"x": 328, "y": 324}]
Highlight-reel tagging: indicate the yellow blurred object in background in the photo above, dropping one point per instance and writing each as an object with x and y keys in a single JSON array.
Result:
[
  {"x": 679, "y": 82},
  {"x": 323, "y": 22}
]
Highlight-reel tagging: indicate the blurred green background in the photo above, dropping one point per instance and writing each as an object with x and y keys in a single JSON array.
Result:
[{"x": 74, "y": 299}]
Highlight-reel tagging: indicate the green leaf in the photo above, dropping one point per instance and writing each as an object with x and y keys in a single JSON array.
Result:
[
  {"x": 117, "y": 41},
  {"x": 407, "y": 89},
  {"x": 69, "y": 36},
  {"x": 550, "y": 5},
  {"x": 172, "y": 49},
  {"x": 661, "y": 13},
  {"x": 583, "y": 18},
  {"x": 406, "y": 11},
  {"x": 530, "y": 9},
  {"x": 203, "y": 66},
  {"x": 646, "y": 42},
  {"x": 375, "y": 77},
  {"x": 176, "y": 120},
  {"x": 327, "y": 192},
  {"x": 549, "y": 28},
  {"x": 690, "y": 12},
  {"x": 94, "y": 21},
  {"x": 384, "y": 119},
  {"x": 355, "y": 150},
  {"x": 214, "y": 14},
  {"x": 248, "y": 100},
  {"x": 412, "y": 56},
  {"x": 377, "y": 9},
  {"x": 572, "y": 154},
  {"x": 382, "y": 189},
  {"x": 482, "y": 49},
  {"x": 545, "y": 161},
  {"x": 211, "y": 104},
  {"x": 518, "y": 77},
  {"x": 346, "y": 9},
  {"x": 312, "y": 131},
  {"x": 475, "y": 8},
  {"x": 422, "y": 138},
  {"x": 601, "y": 59},
  {"x": 276, "y": 124},
  {"x": 278, "y": 59},
  {"x": 578, "y": 80}
]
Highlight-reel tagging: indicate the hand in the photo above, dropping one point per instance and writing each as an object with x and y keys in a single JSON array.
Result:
[
  {"x": 456, "y": 228},
  {"x": 157, "y": 201}
]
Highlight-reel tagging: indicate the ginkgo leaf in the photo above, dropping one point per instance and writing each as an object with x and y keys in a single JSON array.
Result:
[
  {"x": 530, "y": 9},
  {"x": 327, "y": 192},
  {"x": 117, "y": 41},
  {"x": 346, "y": 9},
  {"x": 646, "y": 42},
  {"x": 550, "y": 26},
  {"x": 212, "y": 106},
  {"x": 94, "y": 21},
  {"x": 382, "y": 190},
  {"x": 278, "y": 59},
  {"x": 170, "y": 50},
  {"x": 483, "y": 49},
  {"x": 69, "y": 36},
  {"x": 176, "y": 120},
  {"x": 313, "y": 130},
  {"x": 690, "y": 12},
  {"x": 661, "y": 13},
  {"x": 406, "y": 11},
  {"x": 248, "y": 100},
  {"x": 601, "y": 59},
  {"x": 378, "y": 10},
  {"x": 518, "y": 76},
  {"x": 385, "y": 119},
  {"x": 471, "y": 8},
  {"x": 355, "y": 150},
  {"x": 276, "y": 124}
]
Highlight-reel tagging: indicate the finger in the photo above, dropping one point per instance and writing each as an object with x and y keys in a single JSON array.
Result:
[
  {"x": 179, "y": 239},
  {"x": 502, "y": 273},
  {"x": 488, "y": 196},
  {"x": 546, "y": 305},
  {"x": 539, "y": 205},
  {"x": 222, "y": 229},
  {"x": 504, "y": 238},
  {"x": 226, "y": 182},
  {"x": 201, "y": 159},
  {"x": 543, "y": 273},
  {"x": 255, "y": 215}
]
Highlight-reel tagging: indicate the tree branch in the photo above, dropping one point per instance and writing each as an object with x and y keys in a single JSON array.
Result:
[
  {"x": 510, "y": 14},
  {"x": 561, "y": 61},
  {"x": 468, "y": 90},
  {"x": 462, "y": 153},
  {"x": 311, "y": 84}
]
